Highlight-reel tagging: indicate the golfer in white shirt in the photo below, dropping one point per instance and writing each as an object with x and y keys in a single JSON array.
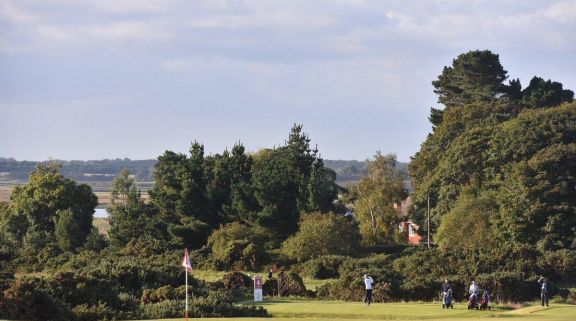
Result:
[{"x": 368, "y": 297}]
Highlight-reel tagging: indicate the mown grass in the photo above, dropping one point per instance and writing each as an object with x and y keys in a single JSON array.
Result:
[
  {"x": 311, "y": 310},
  {"x": 314, "y": 310}
]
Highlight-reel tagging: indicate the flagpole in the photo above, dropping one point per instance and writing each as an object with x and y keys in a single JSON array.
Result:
[{"x": 186, "y": 271}]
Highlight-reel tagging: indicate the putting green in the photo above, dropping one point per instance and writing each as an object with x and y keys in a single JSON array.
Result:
[{"x": 290, "y": 309}]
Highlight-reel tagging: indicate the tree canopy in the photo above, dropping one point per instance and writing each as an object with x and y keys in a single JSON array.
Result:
[
  {"x": 511, "y": 147},
  {"x": 50, "y": 210}
]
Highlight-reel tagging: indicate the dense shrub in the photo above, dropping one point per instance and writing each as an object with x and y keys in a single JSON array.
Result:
[
  {"x": 164, "y": 309},
  {"x": 323, "y": 267},
  {"x": 567, "y": 296},
  {"x": 422, "y": 272},
  {"x": 560, "y": 265},
  {"x": 220, "y": 304},
  {"x": 70, "y": 296},
  {"x": 322, "y": 234},
  {"x": 28, "y": 299},
  {"x": 6, "y": 280},
  {"x": 285, "y": 284},
  {"x": 350, "y": 285},
  {"x": 237, "y": 246},
  {"x": 238, "y": 282},
  {"x": 165, "y": 293},
  {"x": 351, "y": 288},
  {"x": 129, "y": 274},
  {"x": 96, "y": 312},
  {"x": 214, "y": 304}
]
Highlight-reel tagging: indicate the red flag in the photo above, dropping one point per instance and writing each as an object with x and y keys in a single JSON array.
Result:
[{"x": 186, "y": 261}]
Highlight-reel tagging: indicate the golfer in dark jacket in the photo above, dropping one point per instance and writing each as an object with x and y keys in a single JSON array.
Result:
[{"x": 543, "y": 290}]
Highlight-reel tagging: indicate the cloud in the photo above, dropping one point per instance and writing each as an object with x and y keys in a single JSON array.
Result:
[
  {"x": 13, "y": 14},
  {"x": 277, "y": 61},
  {"x": 564, "y": 12},
  {"x": 323, "y": 28},
  {"x": 139, "y": 30}
]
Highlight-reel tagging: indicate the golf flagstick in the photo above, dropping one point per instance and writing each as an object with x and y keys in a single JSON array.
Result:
[
  {"x": 187, "y": 267},
  {"x": 186, "y": 313}
]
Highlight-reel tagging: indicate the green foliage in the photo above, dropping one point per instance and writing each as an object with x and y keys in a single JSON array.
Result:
[
  {"x": 239, "y": 246},
  {"x": 322, "y": 234},
  {"x": 180, "y": 188},
  {"x": 269, "y": 188},
  {"x": 285, "y": 284},
  {"x": 238, "y": 282},
  {"x": 49, "y": 209},
  {"x": 521, "y": 138},
  {"x": 211, "y": 305},
  {"x": 480, "y": 142},
  {"x": 322, "y": 188},
  {"x": 94, "y": 312},
  {"x": 467, "y": 226},
  {"x": 67, "y": 230},
  {"x": 525, "y": 162},
  {"x": 559, "y": 265},
  {"x": 323, "y": 267},
  {"x": 28, "y": 299},
  {"x": 130, "y": 217},
  {"x": 377, "y": 194},
  {"x": 350, "y": 285},
  {"x": 95, "y": 241},
  {"x": 164, "y": 309},
  {"x": 539, "y": 200},
  {"x": 473, "y": 76},
  {"x": 276, "y": 187},
  {"x": 192, "y": 234},
  {"x": 97, "y": 286},
  {"x": 540, "y": 93}
]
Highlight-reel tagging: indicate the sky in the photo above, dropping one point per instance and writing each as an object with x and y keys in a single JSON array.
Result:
[{"x": 97, "y": 79}]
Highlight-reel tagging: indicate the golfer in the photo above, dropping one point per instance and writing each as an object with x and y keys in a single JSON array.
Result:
[
  {"x": 543, "y": 290},
  {"x": 368, "y": 282},
  {"x": 474, "y": 289}
]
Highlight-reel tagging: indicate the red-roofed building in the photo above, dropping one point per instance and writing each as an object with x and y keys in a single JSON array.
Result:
[
  {"x": 409, "y": 226},
  {"x": 413, "y": 236}
]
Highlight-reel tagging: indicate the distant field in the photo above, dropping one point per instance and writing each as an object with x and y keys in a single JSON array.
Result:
[
  {"x": 5, "y": 192},
  {"x": 103, "y": 197},
  {"x": 291, "y": 309}
]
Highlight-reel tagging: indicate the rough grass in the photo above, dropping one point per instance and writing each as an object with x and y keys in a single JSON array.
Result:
[
  {"x": 293, "y": 309},
  {"x": 102, "y": 224},
  {"x": 211, "y": 276}
]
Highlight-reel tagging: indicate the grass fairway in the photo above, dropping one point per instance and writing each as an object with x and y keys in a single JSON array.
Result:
[{"x": 343, "y": 311}]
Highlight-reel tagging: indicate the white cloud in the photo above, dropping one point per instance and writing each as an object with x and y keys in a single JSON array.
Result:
[
  {"x": 131, "y": 6},
  {"x": 283, "y": 59},
  {"x": 139, "y": 30},
  {"x": 564, "y": 12},
  {"x": 13, "y": 14}
]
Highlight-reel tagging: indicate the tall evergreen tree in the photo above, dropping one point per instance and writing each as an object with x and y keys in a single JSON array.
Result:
[
  {"x": 540, "y": 93},
  {"x": 473, "y": 76},
  {"x": 130, "y": 217}
]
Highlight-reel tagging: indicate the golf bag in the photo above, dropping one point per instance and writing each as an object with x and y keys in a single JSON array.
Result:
[
  {"x": 485, "y": 302},
  {"x": 447, "y": 300},
  {"x": 473, "y": 302}
]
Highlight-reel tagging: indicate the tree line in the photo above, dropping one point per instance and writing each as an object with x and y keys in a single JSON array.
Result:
[{"x": 498, "y": 168}]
